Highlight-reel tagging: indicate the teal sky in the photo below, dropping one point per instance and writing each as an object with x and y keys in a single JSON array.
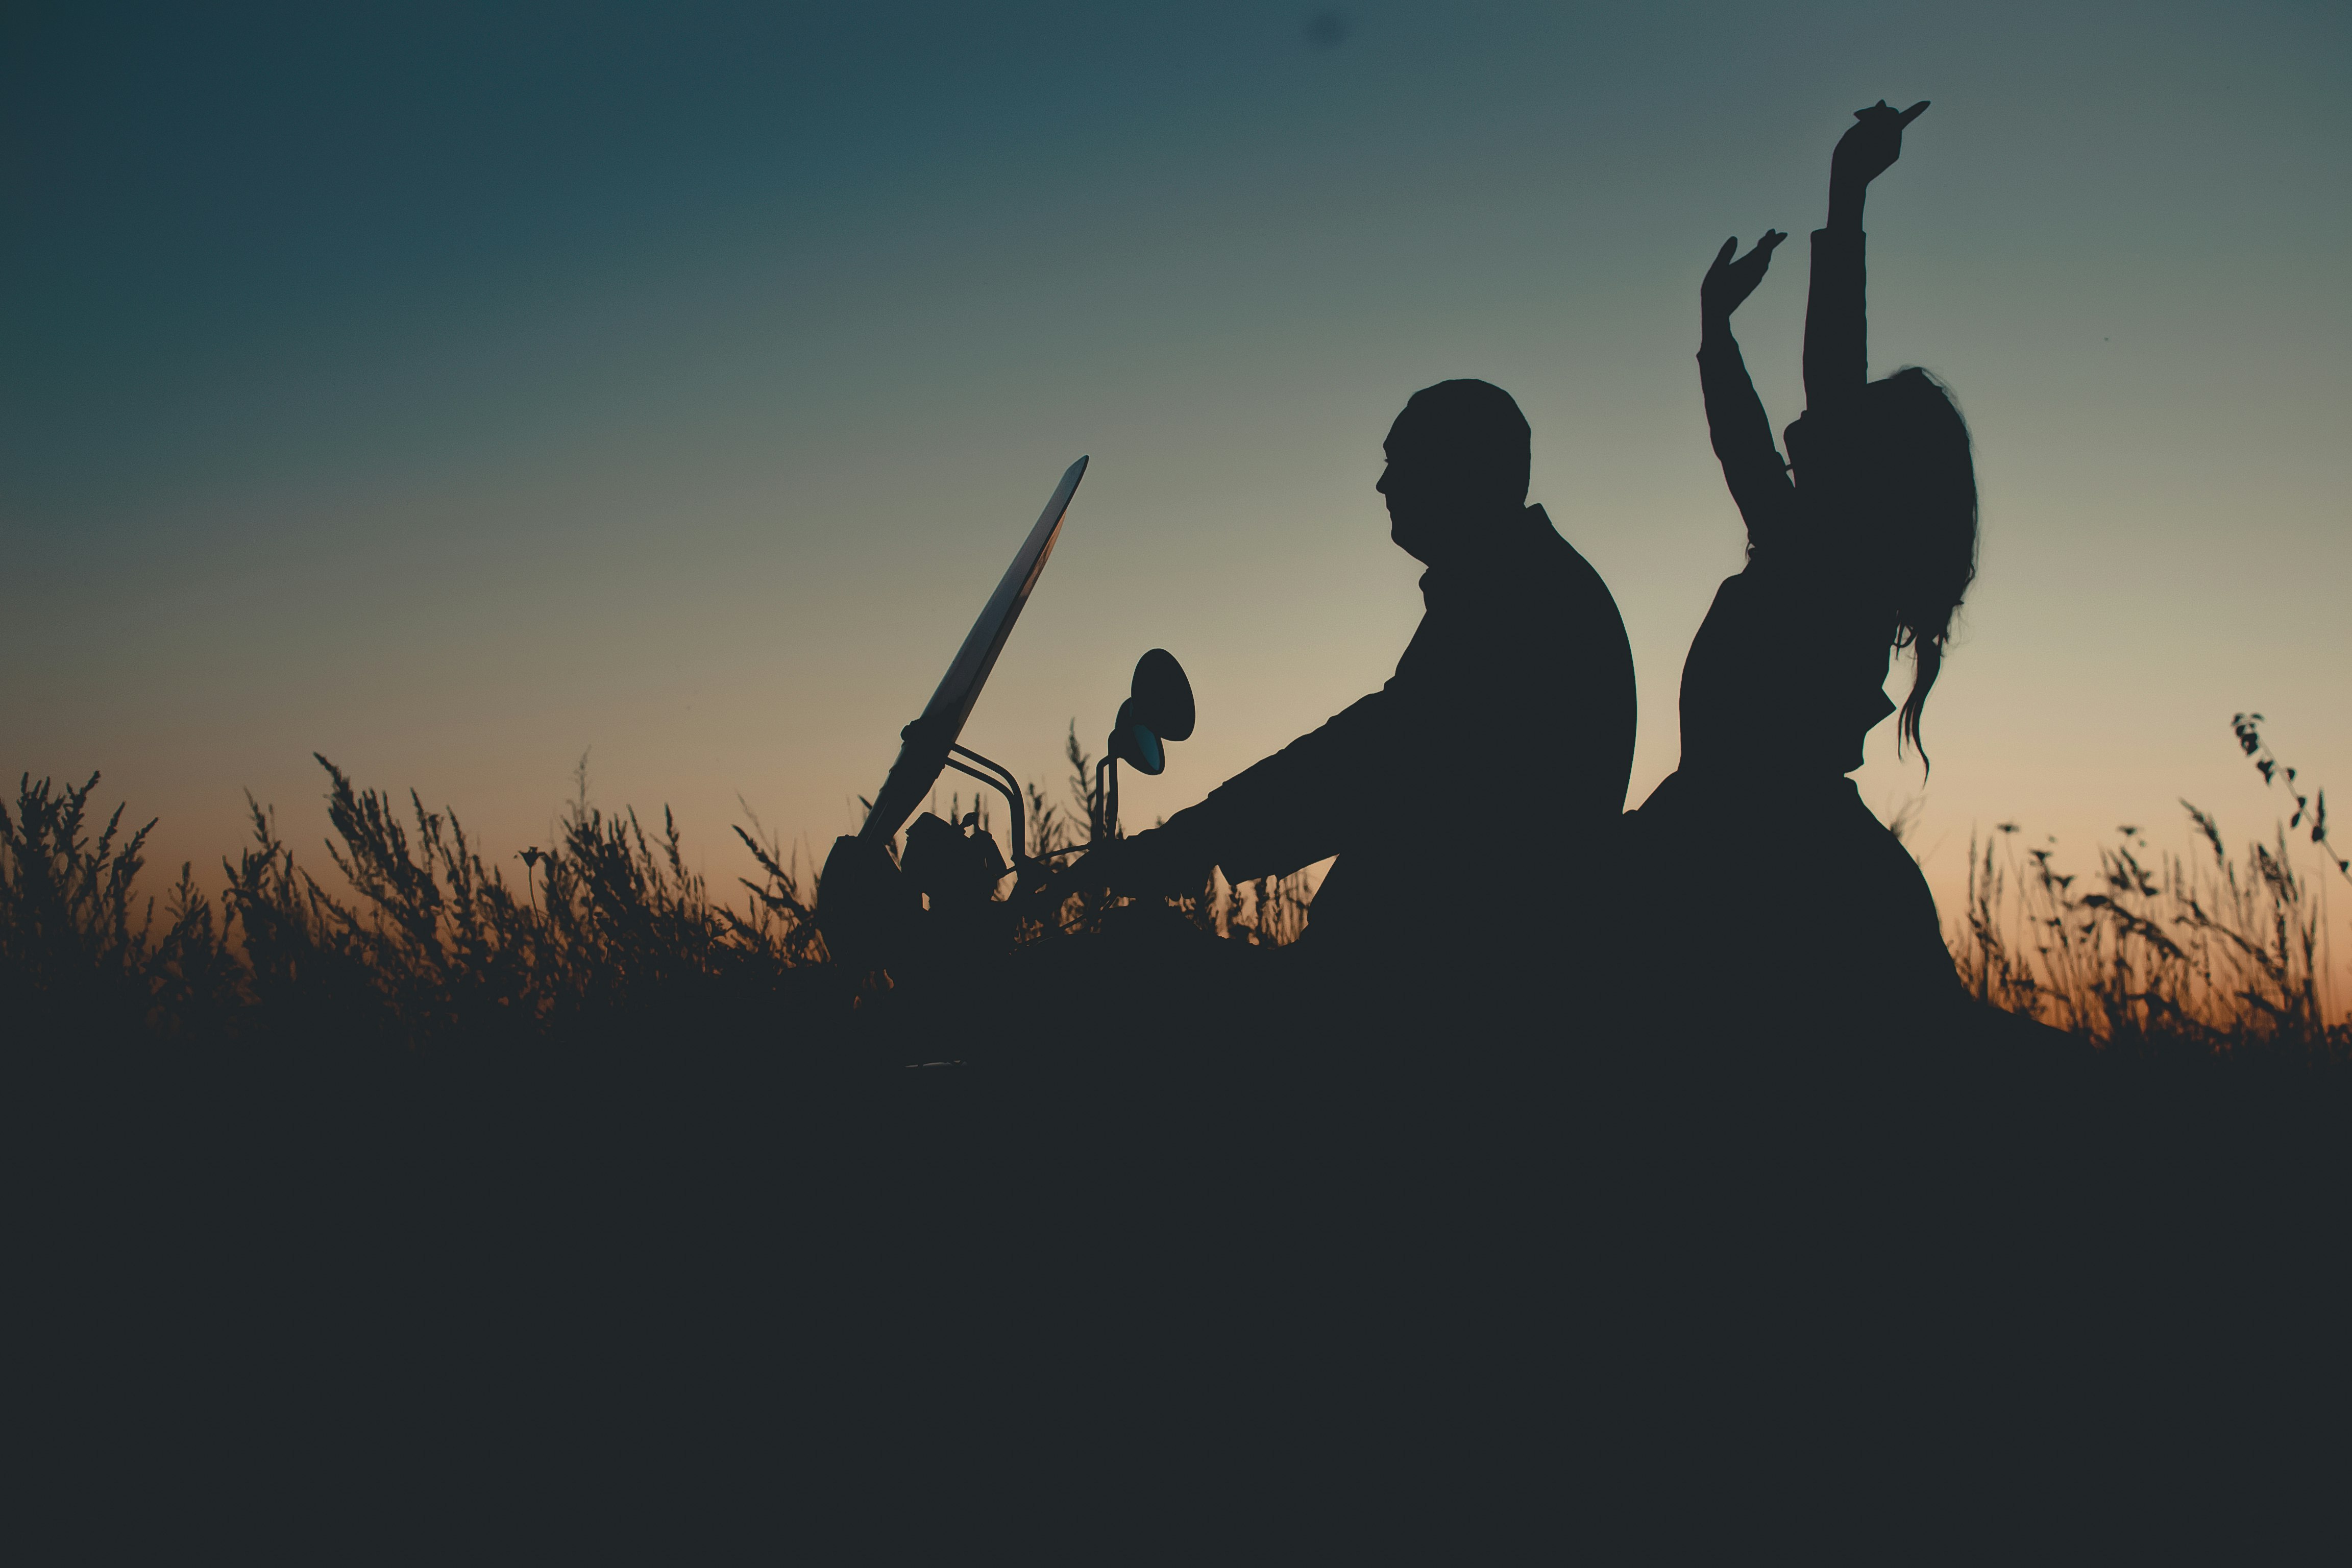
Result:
[{"x": 455, "y": 390}]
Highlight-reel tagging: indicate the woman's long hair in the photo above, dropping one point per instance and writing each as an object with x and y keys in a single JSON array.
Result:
[{"x": 1923, "y": 485}]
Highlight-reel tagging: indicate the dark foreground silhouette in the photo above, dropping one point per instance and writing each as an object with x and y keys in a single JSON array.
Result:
[
  {"x": 686, "y": 1290},
  {"x": 578, "y": 1224}
]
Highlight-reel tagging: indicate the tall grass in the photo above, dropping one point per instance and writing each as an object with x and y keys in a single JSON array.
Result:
[
  {"x": 2197, "y": 949},
  {"x": 425, "y": 940},
  {"x": 2200, "y": 951},
  {"x": 416, "y": 938}
]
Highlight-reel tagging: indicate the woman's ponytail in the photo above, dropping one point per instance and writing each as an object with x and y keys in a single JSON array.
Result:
[{"x": 1924, "y": 460}]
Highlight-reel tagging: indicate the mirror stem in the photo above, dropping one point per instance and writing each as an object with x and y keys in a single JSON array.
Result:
[
  {"x": 1006, "y": 785},
  {"x": 1106, "y": 801}
]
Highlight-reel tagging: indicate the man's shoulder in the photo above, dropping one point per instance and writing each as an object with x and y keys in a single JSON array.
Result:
[
  {"x": 1556, "y": 566},
  {"x": 1550, "y": 548}
]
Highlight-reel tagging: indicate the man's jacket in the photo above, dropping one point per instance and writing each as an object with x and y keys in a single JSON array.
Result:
[{"x": 1474, "y": 784}]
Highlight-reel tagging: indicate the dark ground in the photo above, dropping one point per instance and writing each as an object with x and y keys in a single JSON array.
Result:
[{"x": 1485, "y": 1294}]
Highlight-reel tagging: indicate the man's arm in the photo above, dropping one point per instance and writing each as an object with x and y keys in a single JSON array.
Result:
[
  {"x": 1292, "y": 809},
  {"x": 1329, "y": 789}
]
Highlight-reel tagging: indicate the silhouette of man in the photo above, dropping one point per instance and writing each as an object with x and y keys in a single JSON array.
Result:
[{"x": 1468, "y": 788}]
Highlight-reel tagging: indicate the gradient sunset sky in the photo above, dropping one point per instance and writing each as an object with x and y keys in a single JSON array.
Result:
[{"x": 454, "y": 390}]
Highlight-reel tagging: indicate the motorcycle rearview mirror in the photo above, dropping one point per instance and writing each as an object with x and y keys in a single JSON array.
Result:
[
  {"x": 1159, "y": 709},
  {"x": 1133, "y": 742},
  {"x": 1162, "y": 697}
]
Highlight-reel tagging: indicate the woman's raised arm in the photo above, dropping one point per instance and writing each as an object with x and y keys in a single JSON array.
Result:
[
  {"x": 1742, "y": 436},
  {"x": 1837, "y": 349}
]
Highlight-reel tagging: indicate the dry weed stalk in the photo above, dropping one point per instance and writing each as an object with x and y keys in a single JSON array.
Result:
[{"x": 2198, "y": 950}]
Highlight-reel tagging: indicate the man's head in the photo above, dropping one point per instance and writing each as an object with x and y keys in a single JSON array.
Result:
[{"x": 1457, "y": 462}]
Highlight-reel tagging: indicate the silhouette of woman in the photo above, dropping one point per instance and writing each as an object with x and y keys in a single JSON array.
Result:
[{"x": 1863, "y": 542}]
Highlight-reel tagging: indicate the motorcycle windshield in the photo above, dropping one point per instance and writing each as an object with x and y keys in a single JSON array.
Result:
[{"x": 924, "y": 750}]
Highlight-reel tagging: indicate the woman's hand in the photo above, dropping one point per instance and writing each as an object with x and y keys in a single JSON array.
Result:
[
  {"x": 1871, "y": 144},
  {"x": 1728, "y": 283}
]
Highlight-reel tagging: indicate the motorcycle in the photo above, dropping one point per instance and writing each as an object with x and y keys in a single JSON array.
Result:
[{"x": 942, "y": 906}]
